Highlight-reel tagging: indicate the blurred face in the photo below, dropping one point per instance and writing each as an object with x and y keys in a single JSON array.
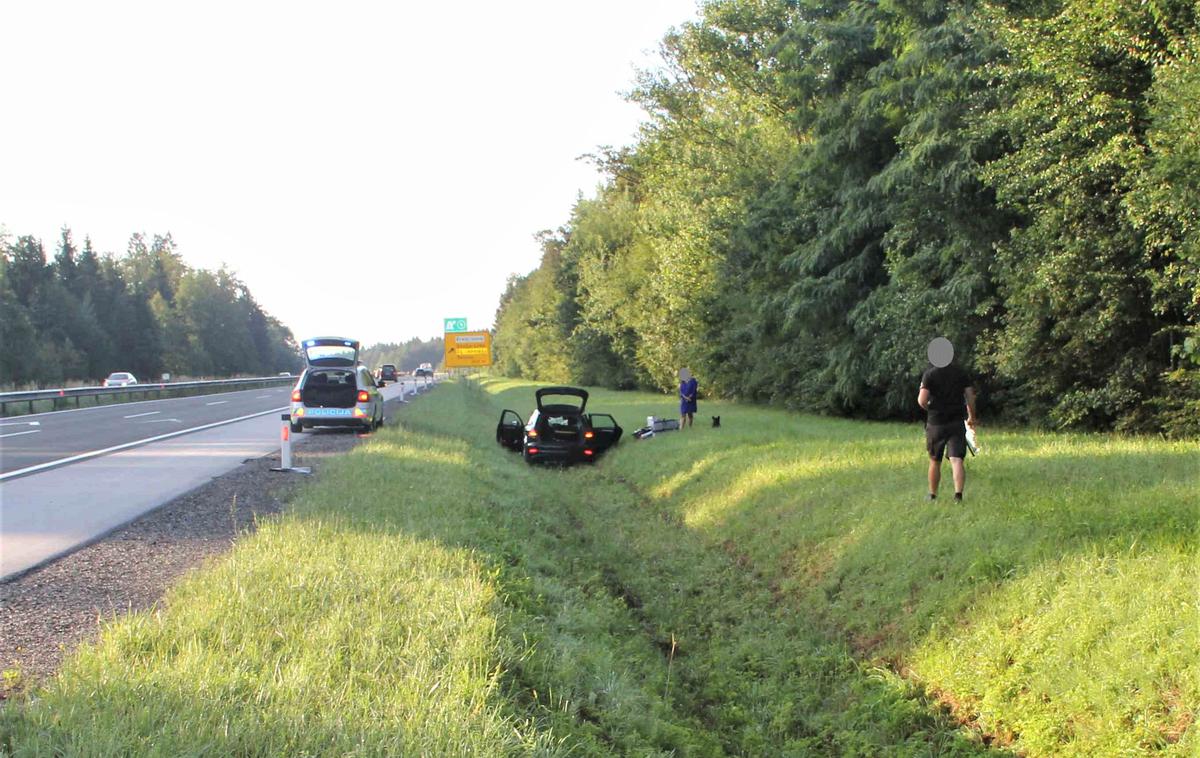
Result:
[
  {"x": 684, "y": 374},
  {"x": 940, "y": 352}
]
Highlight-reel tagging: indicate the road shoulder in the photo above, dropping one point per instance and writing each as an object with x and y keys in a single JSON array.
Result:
[{"x": 51, "y": 609}]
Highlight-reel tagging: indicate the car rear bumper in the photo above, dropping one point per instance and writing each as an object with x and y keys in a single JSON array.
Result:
[
  {"x": 355, "y": 416},
  {"x": 562, "y": 453}
]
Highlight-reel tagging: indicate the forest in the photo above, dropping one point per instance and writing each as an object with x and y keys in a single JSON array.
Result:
[
  {"x": 81, "y": 315},
  {"x": 819, "y": 188},
  {"x": 405, "y": 356}
]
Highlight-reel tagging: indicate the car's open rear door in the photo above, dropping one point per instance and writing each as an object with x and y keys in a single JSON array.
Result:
[
  {"x": 510, "y": 432},
  {"x": 607, "y": 430}
]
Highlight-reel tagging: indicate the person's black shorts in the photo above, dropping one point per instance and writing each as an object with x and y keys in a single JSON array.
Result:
[{"x": 949, "y": 439}]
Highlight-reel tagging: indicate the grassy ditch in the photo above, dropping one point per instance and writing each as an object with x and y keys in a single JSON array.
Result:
[{"x": 772, "y": 587}]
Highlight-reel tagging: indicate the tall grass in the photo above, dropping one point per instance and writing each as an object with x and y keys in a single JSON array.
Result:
[{"x": 773, "y": 587}]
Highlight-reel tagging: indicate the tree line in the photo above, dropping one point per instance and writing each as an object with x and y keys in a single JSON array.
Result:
[
  {"x": 819, "y": 188},
  {"x": 405, "y": 356},
  {"x": 82, "y": 315}
]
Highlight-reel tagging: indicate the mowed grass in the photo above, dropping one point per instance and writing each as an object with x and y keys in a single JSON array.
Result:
[
  {"x": 1058, "y": 607},
  {"x": 772, "y": 587}
]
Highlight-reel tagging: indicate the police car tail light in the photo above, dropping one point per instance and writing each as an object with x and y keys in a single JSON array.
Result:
[
  {"x": 588, "y": 452},
  {"x": 363, "y": 396},
  {"x": 588, "y": 435},
  {"x": 295, "y": 396},
  {"x": 533, "y": 451},
  {"x": 532, "y": 433}
]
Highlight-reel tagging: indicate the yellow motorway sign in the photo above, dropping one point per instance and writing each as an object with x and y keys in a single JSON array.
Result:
[{"x": 468, "y": 349}]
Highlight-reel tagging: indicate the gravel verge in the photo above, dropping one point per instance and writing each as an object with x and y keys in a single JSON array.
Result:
[{"x": 48, "y": 611}]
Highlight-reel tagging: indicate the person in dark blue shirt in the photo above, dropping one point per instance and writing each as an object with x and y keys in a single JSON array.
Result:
[
  {"x": 948, "y": 397},
  {"x": 688, "y": 387}
]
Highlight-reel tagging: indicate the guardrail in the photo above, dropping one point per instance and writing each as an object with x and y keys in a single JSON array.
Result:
[{"x": 62, "y": 397}]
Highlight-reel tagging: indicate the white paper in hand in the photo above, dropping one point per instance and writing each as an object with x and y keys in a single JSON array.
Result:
[{"x": 972, "y": 442}]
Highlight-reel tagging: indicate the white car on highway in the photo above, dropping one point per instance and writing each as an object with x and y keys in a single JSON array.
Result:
[
  {"x": 334, "y": 389},
  {"x": 119, "y": 379}
]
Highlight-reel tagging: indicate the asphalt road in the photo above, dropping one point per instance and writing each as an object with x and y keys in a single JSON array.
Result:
[{"x": 32, "y": 443}]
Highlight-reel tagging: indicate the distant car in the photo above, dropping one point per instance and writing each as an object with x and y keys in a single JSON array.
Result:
[
  {"x": 119, "y": 379},
  {"x": 425, "y": 369},
  {"x": 559, "y": 431},
  {"x": 335, "y": 389},
  {"x": 386, "y": 373},
  {"x": 285, "y": 373}
]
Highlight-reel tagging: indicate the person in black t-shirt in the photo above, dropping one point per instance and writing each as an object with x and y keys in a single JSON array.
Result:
[{"x": 948, "y": 397}]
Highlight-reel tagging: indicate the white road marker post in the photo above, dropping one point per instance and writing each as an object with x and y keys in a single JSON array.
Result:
[{"x": 285, "y": 443}]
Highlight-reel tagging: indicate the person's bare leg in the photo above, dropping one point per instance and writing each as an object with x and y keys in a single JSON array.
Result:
[
  {"x": 935, "y": 475},
  {"x": 960, "y": 474}
]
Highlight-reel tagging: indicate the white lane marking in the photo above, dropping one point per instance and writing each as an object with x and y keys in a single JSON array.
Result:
[
  {"x": 162, "y": 421},
  {"x": 147, "y": 413},
  {"x": 23, "y": 423},
  {"x": 135, "y": 443},
  {"x": 217, "y": 402},
  {"x": 18, "y": 434},
  {"x": 260, "y": 397}
]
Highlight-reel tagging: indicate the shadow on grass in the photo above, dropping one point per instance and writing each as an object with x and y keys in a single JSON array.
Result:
[{"x": 830, "y": 513}]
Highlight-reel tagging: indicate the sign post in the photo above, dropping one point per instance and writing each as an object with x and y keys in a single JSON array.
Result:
[{"x": 468, "y": 349}]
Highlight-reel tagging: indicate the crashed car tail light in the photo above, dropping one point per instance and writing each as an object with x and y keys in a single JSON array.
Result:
[
  {"x": 588, "y": 435},
  {"x": 363, "y": 396},
  {"x": 295, "y": 396}
]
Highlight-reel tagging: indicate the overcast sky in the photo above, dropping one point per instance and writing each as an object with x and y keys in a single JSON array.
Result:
[{"x": 365, "y": 168}]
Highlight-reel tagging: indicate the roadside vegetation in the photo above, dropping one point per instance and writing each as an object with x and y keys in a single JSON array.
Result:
[
  {"x": 776, "y": 586},
  {"x": 82, "y": 314},
  {"x": 821, "y": 187}
]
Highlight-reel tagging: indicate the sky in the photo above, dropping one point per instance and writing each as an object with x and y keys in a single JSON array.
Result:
[{"x": 367, "y": 169}]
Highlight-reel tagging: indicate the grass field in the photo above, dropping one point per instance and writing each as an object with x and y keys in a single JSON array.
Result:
[{"x": 773, "y": 587}]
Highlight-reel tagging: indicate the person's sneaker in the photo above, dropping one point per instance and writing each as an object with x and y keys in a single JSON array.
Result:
[
  {"x": 958, "y": 496},
  {"x": 931, "y": 496}
]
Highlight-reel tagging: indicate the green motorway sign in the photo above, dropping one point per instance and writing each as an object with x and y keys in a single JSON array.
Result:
[{"x": 455, "y": 325}]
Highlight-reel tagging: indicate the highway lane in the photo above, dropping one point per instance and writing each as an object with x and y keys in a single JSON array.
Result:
[
  {"x": 43, "y": 438},
  {"x": 46, "y": 439}
]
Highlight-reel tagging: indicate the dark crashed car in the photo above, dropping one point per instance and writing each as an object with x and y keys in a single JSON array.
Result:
[{"x": 561, "y": 432}]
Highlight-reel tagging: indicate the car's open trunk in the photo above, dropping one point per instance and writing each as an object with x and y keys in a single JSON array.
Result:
[
  {"x": 562, "y": 427},
  {"x": 330, "y": 389}
]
